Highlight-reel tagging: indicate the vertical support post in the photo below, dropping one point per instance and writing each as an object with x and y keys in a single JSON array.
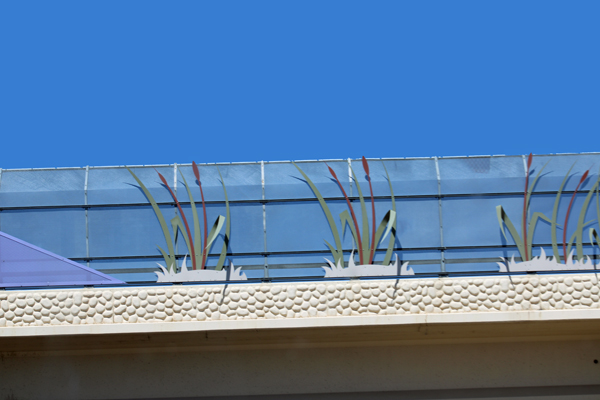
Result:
[
  {"x": 350, "y": 175},
  {"x": 439, "y": 184},
  {"x": 351, "y": 194},
  {"x": 264, "y": 209},
  {"x": 175, "y": 207},
  {"x": 524, "y": 157},
  {"x": 175, "y": 178},
  {"x": 87, "y": 224}
]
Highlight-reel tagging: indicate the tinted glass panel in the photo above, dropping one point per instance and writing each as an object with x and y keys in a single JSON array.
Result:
[
  {"x": 22, "y": 264},
  {"x": 410, "y": 177},
  {"x": 42, "y": 188},
  {"x": 61, "y": 230},
  {"x": 474, "y": 175}
]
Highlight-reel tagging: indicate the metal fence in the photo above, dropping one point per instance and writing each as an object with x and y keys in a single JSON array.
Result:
[{"x": 446, "y": 208}]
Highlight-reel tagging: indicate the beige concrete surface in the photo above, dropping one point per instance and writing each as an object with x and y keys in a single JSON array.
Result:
[
  {"x": 375, "y": 339},
  {"x": 152, "y": 374},
  {"x": 216, "y": 303}
]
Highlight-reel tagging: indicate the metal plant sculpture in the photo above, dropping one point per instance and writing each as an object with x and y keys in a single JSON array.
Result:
[
  {"x": 524, "y": 242},
  {"x": 199, "y": 244},
  {"x": 365, "y": 243}
]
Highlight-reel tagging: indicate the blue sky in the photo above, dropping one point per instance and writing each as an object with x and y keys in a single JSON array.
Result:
[{"x": 145, "y": 82}]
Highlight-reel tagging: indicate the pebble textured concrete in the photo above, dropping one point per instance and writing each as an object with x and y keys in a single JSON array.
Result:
[{"x": 297, "y": 300}]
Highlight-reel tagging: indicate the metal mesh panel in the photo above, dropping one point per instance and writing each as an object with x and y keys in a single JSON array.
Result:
[
  {"x": 422, "y": 261},
  {"x": 247, "y": 233},
  {"x": 118, "y": 186},
  {"x": 252, "y": 266},
  {"x": 476, "y": 260},
  {"x": 297, "y": 265},
  {"x": 242, "y": 182},
  {"x": 130, "y": 270},
  {"x": 42, "y": 188},
  {"x": 545, "y": 204},
  {"x": 557, "y": 167},
  {"x": 409, "y": 177},
  {"x": 302, "y": 226},
  {"x": 127, "y": 231},
  {"x": 61, "y": 231},
  {"x": 474, "y": 175},
  {"x": 472, "y": 221},
  {"x": 284, "y": 181}
]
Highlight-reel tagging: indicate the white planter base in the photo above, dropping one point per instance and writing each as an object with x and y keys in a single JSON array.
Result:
[
  {"x": 338, "y": 271},
  {"x": 543, "y": 263},
  {"x": 201, "y": 275}
]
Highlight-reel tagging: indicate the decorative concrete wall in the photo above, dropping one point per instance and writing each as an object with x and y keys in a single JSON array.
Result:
[{"x": 298, "y": 300}]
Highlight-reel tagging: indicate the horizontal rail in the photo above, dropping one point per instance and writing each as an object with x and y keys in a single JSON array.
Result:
[{"x": 299, "y": 200}]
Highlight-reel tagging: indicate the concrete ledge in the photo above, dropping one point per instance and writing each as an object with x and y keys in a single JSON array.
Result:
[
  {"x": 330, "y": 322},
  {"x": 499, "y": 299},
  {"x": 365, "y": 331}
]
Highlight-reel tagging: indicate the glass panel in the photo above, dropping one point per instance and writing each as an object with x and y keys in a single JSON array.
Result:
[
  {"x": 486, "y": 260},
  {"x": 252, "y": 266},
  {"x": 117, "y": 186},
  {"x": 545, "y": 204},
  {"x": 422, "y": 262},
  {"x": 284, "y": 181},
  {"x": 476, "y": 260},
  {"x": 418, "y": 223},
  {"x": 127, "y": 231},
  {"x": 247, "y": 232},
  {"x": 472, "y": 221},
  {"x": 409, "y": 177},
  {"x": 143, "y": 270},
  {"x": 130, "y": 270},
  {"x": 311, "y": 265},
  {"x": 22, "y": 264},
  {"x": 61, "y": 231},
  {"x": 42, "y": 188},
  {"x": 593, "y": 252},
  {"x": 302, "y": 226},
  {"x": 297, "y": 265},
  {"x": 242, "y": 182},
  {"x": 474, "y": 175},
  {"x": 557, "y": 167}
]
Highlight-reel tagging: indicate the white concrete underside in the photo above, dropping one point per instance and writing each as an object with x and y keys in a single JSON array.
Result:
[{"x": 533, "y": 337}]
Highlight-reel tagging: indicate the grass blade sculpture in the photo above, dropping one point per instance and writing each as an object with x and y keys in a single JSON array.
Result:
[
  {"x": 356, "y": 231},
  {"x": 197, "y": 175},
  {"x": 583, "y": 178},
  {"x": 366, "y": 168},
  {"x": 170, "y": 256},
  {"x": 524, "y": 243},
  {"x": 525, "y": 206},
  {"x": 198, "y": 245},
  {"x": 187, "y": 227},
  {"x": 366, "y": 244},
  {"x": 594, "y": 236},
  {"x": 337, "y": 252}
]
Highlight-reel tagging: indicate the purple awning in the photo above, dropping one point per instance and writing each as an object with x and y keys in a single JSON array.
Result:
[{"x": 23, "y": 264}]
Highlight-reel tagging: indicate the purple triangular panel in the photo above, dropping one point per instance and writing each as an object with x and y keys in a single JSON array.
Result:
[{"x": 23, "y": 264}]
